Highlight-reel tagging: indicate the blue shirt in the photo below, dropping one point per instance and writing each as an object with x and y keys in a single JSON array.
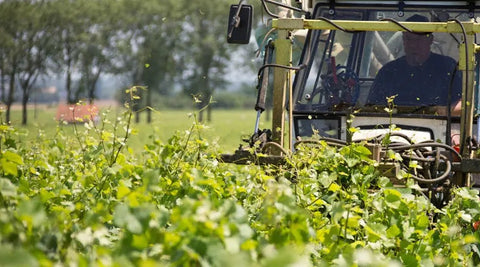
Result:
[{"x": 425, "y": 85}]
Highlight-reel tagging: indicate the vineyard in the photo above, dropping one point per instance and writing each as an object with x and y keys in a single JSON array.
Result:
[{"x": 88, "y": 199}]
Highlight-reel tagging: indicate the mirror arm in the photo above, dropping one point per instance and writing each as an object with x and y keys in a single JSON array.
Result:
[{"x": 236, "y": 19}]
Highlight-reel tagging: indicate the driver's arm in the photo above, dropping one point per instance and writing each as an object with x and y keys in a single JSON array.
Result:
[{"x": 455, "y": 110}]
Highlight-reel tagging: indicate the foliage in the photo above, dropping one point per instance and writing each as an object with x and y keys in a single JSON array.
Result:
[
  {"x": 205, "y": 60},
  {"x": 164, "y": 45},
  {"x": 91, "y": 201}
]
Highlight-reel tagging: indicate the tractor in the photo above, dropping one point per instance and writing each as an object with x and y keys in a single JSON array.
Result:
[{"x": 323, "y": 93}]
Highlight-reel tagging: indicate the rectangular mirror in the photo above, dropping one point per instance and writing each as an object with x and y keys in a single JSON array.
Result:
[{"x": 240, "y": 24}]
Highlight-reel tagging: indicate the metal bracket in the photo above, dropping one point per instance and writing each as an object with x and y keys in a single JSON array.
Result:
[{"x": 401, "y": 6}]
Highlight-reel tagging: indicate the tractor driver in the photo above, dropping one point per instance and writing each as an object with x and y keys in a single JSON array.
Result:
[{"x": 420, "y": 77}]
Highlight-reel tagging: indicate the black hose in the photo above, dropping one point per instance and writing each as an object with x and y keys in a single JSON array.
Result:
[
  {"x": 279, "y": 66},
  {"x": 423, "y": 145},
  {"x": 442, "y": 177},
  {"x": 416, "y": 151},
  {"x": 338, "y": 27},
  {"x": 265, "y": 7},
  {"x": 307, "y": 14},
  {"x": 263, "y": 79},
  {"x": 398, "y": 24},
  {"x": 329, "y": 141},
  {"x": 464, "y": 32}
]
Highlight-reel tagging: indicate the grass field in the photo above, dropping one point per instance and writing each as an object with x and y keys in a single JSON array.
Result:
[{"x": 226, "y": 128}]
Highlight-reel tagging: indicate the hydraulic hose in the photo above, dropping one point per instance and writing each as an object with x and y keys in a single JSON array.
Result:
[
  {"x": 264, "y": 78},
  {"x": 425, "y": 153}
]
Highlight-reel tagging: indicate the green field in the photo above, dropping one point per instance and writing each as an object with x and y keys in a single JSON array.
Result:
[
  {"x": 225, "y": 130},
  {"x": 72, "y": 195}
]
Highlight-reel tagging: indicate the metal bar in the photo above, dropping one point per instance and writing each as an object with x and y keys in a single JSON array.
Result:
[
  {"x": 466, "y": 65},
  {"x": 257, "y": 122},
  {"x": 351, "y": 25},
  {"x": 290, "y": 108},
  {"x": 283, "y": 56}
]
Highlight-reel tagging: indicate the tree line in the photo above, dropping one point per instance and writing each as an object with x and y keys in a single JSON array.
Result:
[{"x": 156, "y": 44}]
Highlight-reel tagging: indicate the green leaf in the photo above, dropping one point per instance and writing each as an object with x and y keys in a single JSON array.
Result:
[
  {"x": 423, "y": 221},
  {"x": 372, "y": 235},
  {"x": 10, "y": 256},
  {"x": 362, "y": 150},
  {"x": 470, "y": 239},
  {"x": 334, "y": 187},
  {"x": 31, "y": 211},
  {"x": 13, "y": 157},
  {"x": 232, "y": 244},
  {"x": 122, "y": 190},
  {"x": 85, "y": 237},
  {"x": 249, "y": 245},
  {"x": 7, "y": 188},
  {"x": 9, "y": 167},
  {"x": 140, "y": 242},
  {"x": 409, "y": 259},
  {"x": 393, "y": 198},
  {"x": 351, "y": 162},
  {"x": 123, "y": 218},
  {"x": 326, "y": 179},
  {"x": 467, "y": 193},
  {"x": 4, "y": 128},
  {"x": 353, "y": 221},
  {"x": 46, "y": 195},
  {"x": 393, "y": 231}
]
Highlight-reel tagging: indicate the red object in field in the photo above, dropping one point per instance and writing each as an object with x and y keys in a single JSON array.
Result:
[
  {"x": 476, "y": 225},
  {"x": 72, "y": 113}
]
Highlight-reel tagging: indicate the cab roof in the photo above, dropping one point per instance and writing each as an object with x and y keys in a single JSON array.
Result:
[{"x": 468, "y": 5}]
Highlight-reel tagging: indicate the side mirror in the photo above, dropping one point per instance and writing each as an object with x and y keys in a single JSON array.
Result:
[{"x": 239, "y": 24}]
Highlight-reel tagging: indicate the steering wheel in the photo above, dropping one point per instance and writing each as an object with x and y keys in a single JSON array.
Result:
[{"x": 342, "y": 86}]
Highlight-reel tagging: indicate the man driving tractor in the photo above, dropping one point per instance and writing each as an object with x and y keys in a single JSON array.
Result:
[{"x": 420, "y": 77}]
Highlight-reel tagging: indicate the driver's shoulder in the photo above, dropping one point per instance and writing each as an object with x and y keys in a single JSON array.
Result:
[
  {"x": 442, "y": 59},
  {"x": 394, "y": 66}
]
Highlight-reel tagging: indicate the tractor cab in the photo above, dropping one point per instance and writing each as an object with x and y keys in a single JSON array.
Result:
[
  {"x": 395, "y": 76},
  {"x": 341, "y": 77}
]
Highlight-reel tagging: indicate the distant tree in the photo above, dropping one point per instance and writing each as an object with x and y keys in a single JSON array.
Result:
[
  {"x": 70, "y": 18},
  {"x": 152, "y": 31},
  {"x": 158, "y": 44},
  {"x": 11, "y": 24},
  {"x": 207, "y": 55},
  {"x": 34, "y": 44},
  {"x": 97, "y": 53},
  {"x": 86, "y": 32},
  {"x": 3, "y": 76}
]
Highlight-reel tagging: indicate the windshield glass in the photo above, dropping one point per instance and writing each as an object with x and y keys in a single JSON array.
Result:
[{"x": 364, "y": 69}]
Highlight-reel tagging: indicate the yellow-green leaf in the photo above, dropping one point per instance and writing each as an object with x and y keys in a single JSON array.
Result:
[
  {"x": 13, "y": 157},
  {"x": 122, "y": 191}
]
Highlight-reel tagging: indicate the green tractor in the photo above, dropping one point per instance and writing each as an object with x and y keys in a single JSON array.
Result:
[{"x": 397, "y": 76}]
